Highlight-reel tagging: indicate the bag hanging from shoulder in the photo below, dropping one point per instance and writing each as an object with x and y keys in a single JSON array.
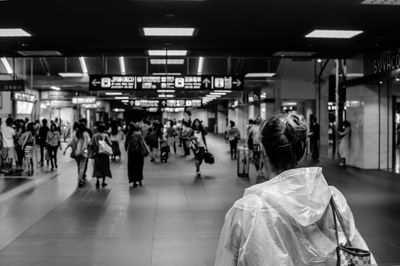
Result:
[
  {"x": 104, "y": 148},
  {"x": 143, "y": 148},
  {"x": 347, "y": 255}
]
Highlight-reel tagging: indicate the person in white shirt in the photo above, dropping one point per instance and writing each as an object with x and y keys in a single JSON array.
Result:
[
  {"x": 199, "y": 144},
  {"x": 287, "y": 220},
  {"x": 8, "y": 144}
]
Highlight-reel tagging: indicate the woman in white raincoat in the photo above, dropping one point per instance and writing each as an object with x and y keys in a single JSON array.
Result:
[{"x": 286, "y": 220}]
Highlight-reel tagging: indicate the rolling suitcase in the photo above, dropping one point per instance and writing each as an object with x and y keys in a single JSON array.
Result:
[{"x": 243, "y": 162}]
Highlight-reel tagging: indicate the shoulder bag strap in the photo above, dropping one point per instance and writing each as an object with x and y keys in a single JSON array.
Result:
[{"x": 338, "y": 216}]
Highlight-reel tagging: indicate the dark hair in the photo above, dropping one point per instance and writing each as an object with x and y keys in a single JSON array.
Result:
[
  {"x": 83, "y": 121},
  {"x": 44, "y": 122},
  {"x": 200, "y": 127},
  {"x": 80, "y": 130},
  {"x": 346, "y": 123},
  {"x": 232, "y": 123},
  {"x": 30, "y": 127},
  {"x": 284, "y": 138},
  {"x": 53, "y": 127},
  {"x": 101, "y": 128},
  {"x": 9, "y": 121},
  {"x": 251, "y": 121},
  {"x": 114, "y": 129},
  {"x": 75, "y": 126}
]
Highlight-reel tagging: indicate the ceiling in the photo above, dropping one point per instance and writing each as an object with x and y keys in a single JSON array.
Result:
[{"x": 240, "y": 28}]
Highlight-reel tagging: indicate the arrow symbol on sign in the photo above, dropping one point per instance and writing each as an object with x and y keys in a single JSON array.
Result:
[
  {"x": 206, "y": 82},
  {"x": 237, "y": 83},
  {"x": 95, "y": 82}
]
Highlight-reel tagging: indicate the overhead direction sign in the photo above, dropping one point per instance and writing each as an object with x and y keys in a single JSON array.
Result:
[
  {"x": 12, "y": 85},
  {"x": 135, "y": 82}
]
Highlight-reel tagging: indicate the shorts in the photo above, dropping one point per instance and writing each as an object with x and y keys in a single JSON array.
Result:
[
  {"x": 199, "y": 154},
  {"x": 8, "y": 153},
  {"x": 28, "y": 151}
]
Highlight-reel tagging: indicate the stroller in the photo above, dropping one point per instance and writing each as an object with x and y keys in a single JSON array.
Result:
[{"x": 164, "y": 150}]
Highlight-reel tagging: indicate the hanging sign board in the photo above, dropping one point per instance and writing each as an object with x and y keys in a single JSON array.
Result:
[
  {"x": 12, "y": 85},
  {"x": 84, "y": 100},
  {"x": 133, "y": 82}
]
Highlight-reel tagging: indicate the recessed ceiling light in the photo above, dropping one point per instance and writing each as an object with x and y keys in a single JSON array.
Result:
[
  {"x": 334, "y": 34},
  {"x": 55, "y": 88},
  {"x": 71, "y": 75},
  {"x": 381, "y": 2},
  {"x": 39, "y": 53},
  {"x": 148, "y": 31},
  {"x": 17, "y": 32},
  {"x": 167, "y": 61},
  {"x": 294, "y": 53},
  {"x": 7, "y": 65},
  {"x": 259, "y": 75},
  {"x": 167, "y": 52}
]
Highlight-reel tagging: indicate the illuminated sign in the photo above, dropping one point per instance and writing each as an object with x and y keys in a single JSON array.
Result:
[
  {"x": 24, "y": 97},
  {"x": 84, "y": 100},
  {"x": 12, "y": 85},
  {"x": 386, "y": 63},
  {"x": 162, "y": 82},
  {"x": 91, "y": 105},
  {"x": 166, "y": 103}
]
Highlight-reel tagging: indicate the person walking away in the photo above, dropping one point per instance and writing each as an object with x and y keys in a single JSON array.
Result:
[
  {"x": 43, "y": 130},
  {"x": 287, "y": 220},
  {"x": 253, "y": 140},
  {"x": 20, "y": 129},
  {"x": 344, "y": 146},
  {"x": 8, "y": 145},
  {"x": 115, "y": 140},
  {"x": 171, "y": 135},
  {"x": 199, "y": 144},
  {"x": 90, "y": 132},
  {"x": 28, "y": 144},
  {"x": 314, "y": 138},
  {"x": 186, "y": 136},
  {"x": 134, "y": 145},
  {"x": 233, "y": 138},
  {"x": 53, "y": 142},
  {"x": 101, "y": 167},
  {"x": 152, "y": 140},
  {"x": 79, "y": 145}
]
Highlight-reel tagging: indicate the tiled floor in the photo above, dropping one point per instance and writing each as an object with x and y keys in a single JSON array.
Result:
[{"x": 174, "y": 219}]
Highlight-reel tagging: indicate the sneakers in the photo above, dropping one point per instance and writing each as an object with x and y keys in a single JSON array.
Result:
[{"x": 198, "y": 174}]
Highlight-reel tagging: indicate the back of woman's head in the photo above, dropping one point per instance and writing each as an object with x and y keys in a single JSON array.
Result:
[
  {"x": 101, "y": 128},
  {"x": 284, "y": 138},
  {"x": 80, "y": 130},
  {"x": 232, "y": 123}
]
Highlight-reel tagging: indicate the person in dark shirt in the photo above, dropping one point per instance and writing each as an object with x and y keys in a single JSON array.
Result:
[{"x": 44, "y": 129}]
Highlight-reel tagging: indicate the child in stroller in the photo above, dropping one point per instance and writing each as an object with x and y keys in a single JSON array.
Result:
[{"x": 164, "y": 150}]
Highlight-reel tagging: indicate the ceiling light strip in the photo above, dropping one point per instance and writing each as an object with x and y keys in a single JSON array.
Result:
[
  {"x": 180, "y": 32},
  {"x": 122, "y": 65},
  {"x": 83, "y": 65},
  {"x": 7, "y": 65},
  {"x": 200, "y": 66}
]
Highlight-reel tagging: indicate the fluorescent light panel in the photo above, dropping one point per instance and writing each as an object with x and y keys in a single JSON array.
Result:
[
  {"x": 200, "y": 66},
  {"x": 122, "y": 98},
  {"x": 83, "y": 65},
  {"x": 39, "y": 53},
  {"x": 218, "y": 93},
  {"x": 167, "y": 74},
  {"x": 150, "y": 31},
  {"x": 381, "y": 2},
  {"x": 294, "y": 53},
  {"x": 7, "y": 65},
  {"x": 167, "y": 61},
  {"x": 55, "y": 88},
  {"x": 167, "y": 52},
  {"x": 113, "y": 93},
  {"x": 71, "y": 75},
  {"x": 260, "y": 75},
  {"x": 122, "y": 65},
  {"x": 334, "y": 34},
  {"x": 11, "y": 32}
]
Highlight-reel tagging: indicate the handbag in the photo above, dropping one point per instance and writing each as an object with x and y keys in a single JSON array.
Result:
[
  {"x": 208, "y": 157},
  {"x": 143, "y": 148},
  {"x": 347, "y": 255},
  {"x": 104, "y": 148}
]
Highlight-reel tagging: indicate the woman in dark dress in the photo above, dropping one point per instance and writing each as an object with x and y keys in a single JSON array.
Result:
[
  {"x": 101, "y": 167},
  {"x": 133, "y": 145}
]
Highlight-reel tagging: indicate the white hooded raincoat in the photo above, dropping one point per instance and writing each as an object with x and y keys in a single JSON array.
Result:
[{"x": 286, "y": 221}]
